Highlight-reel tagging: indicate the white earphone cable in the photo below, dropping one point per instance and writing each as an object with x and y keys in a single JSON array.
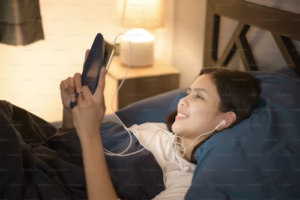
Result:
[{"x": 107, "y": 152}]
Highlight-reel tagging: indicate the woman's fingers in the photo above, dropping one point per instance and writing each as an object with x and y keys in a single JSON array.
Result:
[
  {"x": 63, "y": 86},
  {"x": 80, "y": 99},
  {"x": 87, "y": 94},
  {"x": 71, "y": 88},
  {"x": 78, "y": 82}
]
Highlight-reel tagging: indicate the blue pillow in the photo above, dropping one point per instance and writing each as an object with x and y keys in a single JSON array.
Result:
[
  {"x": 153, "y": 109},
  {"x": 260, "y": 157}
]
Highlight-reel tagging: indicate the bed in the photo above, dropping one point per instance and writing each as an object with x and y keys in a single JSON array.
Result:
[{"x": 257, "y": 159}]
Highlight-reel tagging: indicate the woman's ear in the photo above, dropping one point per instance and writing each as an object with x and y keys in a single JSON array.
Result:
[{"x": 230, "y": 118}]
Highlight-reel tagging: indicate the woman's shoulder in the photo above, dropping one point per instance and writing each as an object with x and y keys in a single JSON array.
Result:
[
  {"x": 150, "y": 131},
  {"x": 150, "y": 125}
]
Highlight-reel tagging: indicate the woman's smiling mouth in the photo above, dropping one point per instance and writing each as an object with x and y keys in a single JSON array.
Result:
[{"x": 181, "y": 116}]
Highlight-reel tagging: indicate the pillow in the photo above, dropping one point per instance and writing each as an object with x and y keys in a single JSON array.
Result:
[
  {"x": 153, "y": 109},
  {"x": 260, "y": 157}
]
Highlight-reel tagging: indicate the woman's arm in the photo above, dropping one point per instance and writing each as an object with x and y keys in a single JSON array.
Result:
[
  {"x": 87, "y": 118},
  {"x": 67, "y": 122},
  {"x": 99, "y": 184}
]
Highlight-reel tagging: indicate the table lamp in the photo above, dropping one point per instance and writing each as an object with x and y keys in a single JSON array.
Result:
[{"x": 140, "y": 15}]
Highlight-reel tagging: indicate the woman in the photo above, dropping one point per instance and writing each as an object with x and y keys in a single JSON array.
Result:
[
  {"x": 233, "y": 97},
  {"x": 215, "y": 96}
]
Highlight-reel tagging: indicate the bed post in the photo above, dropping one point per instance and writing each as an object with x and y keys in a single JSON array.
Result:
[
  {"x": 284, "y": 27},
  {"x": 211, "y": 36}
]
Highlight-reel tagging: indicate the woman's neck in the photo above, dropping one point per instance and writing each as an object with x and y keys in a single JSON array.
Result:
[
  {"x": 187, "y": 156},
  {"x": 187, "y": 142},
  {"x": 188, "y": 152}
]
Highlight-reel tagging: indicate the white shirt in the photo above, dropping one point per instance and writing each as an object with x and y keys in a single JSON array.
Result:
[{"x": 178, "y": 172}]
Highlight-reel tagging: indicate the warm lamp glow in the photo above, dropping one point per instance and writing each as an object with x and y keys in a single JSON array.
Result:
[
  {"x": 147, "y": 14},
  {"x": 140, "y": 15},
  {"x": 142, "y": 44},
  {"x": 138, "y": 35}
]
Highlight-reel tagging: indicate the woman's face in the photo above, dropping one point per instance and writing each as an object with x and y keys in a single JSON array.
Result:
[{"x": 198, "y": 112}]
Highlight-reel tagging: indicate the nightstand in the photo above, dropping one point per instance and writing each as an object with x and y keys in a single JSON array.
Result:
[{"x": 140, "y": 83}]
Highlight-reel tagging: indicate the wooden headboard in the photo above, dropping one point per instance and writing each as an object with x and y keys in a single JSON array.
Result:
[{"x": 284, "y": 27}]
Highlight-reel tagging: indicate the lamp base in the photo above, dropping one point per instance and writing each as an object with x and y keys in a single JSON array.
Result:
[{"x": 142, "y": 48}]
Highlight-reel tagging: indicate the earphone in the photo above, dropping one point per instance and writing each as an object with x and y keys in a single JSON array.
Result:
[
  {"x": 128, "y": 130},
  {"x": 222, "y": 123},
  {"x": 184, "y": 150}
]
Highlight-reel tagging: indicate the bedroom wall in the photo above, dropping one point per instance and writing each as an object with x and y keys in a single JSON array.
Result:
[
  {"x": 30, "y": 76},
  {"x": 189, "y": 24},
  {"x": 189, "y": 36}
]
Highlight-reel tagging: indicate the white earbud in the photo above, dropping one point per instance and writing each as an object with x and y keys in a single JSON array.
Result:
[{"x": 222, "y": 123}]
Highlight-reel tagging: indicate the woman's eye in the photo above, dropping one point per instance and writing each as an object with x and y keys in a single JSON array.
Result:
[{"x": 199, "y": 97}]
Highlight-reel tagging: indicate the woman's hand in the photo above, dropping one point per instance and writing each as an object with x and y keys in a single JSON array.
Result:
[
  {"x": 69, "y": 86},
  {"x": 90, "y": 109}
]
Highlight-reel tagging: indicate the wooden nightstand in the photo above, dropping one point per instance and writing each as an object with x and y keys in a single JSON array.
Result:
[{"x": 140, "y": 83}]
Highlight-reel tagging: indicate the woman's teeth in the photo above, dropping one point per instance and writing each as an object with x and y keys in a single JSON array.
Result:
[{"x": 181, "y": 115}]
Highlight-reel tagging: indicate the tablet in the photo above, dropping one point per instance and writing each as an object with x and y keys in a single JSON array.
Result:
[{"x": 100, "y": 55}]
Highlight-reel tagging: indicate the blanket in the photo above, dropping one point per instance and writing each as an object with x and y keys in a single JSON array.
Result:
[{"x": 38, "y": 161}]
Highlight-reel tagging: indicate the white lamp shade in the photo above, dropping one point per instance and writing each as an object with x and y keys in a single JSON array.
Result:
[
  {"x": 142, "y": 48},
  {"x": 147, "y": 14}
]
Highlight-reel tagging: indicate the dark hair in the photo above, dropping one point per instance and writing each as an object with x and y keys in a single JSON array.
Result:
[{"x": 238, "y": 91}]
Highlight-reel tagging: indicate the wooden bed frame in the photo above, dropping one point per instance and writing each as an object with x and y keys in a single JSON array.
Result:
[{"x": 284, "y": 27}]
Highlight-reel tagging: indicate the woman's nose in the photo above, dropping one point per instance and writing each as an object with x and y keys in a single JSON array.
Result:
[{"x": 183, "y": 102}]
